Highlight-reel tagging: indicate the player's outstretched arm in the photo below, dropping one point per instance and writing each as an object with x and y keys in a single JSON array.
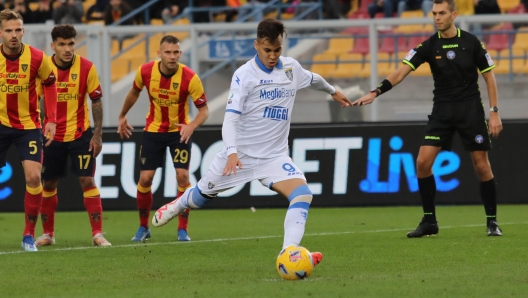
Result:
[
  {"x": 229, "y": 138},
  {"x": 186, "y": 131},
  {"x": 96, "y": 143},
  {"x": 123, "y": 128},
  {"x": 495, "y": 123},
  {"x": 392, "y": 80}
]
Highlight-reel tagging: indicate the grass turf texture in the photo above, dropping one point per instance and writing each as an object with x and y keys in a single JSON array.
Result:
[{"x": 233, "y": 252}]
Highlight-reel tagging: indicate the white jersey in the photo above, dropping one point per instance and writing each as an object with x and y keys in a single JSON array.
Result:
[{"x": 264, "y": 99}]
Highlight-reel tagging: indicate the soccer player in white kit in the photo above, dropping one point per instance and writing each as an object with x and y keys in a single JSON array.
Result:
[{"x": 255, "y": 133}]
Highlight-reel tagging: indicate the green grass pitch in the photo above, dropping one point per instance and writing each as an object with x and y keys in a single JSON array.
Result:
[{"x": 233, "y": 252}]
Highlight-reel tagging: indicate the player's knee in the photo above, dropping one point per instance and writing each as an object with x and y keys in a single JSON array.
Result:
[
  {"x": 301, "y": 197},
  {"x": 423, "y": 164},
  {"x": 146, "y": 180},
  {"x": 182, "y": 177},
  {"x": 50, "y": 184},
  {"x": 87, "y": 182},
  {"x": 33, "y": 178},
  {"x": 197, "y": 199}
]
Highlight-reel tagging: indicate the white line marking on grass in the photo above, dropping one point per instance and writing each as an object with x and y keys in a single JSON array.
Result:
[{"x": 241, "y": 238}]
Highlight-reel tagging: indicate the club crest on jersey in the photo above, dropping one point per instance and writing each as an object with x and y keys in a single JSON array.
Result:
[
  {"x": 289, "y": 73},
  {"x": 451, "y": 55},
  {"x": 211, "y": 185},
  {"x": 74, "y": 76},
  {"x": 175, "y": 86},
  {"x": 24, "y": 67}
]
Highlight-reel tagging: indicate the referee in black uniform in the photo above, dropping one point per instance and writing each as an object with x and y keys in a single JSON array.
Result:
[{"x": 454, "y": 56}]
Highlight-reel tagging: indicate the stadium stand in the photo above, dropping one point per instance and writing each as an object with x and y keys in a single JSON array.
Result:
[
  {"x": 325, "y": 64},
  {"x": 350, "y": 68}
]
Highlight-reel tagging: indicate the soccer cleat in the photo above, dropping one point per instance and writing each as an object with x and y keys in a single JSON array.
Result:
[
  {"x": 164, "y": 214},
  {"x": 424, "y": 229},
  {"x": 182, "y": 236},
  {"x": 493, "y": 229},
  {"x": 99, "y": 240},
  {"x": 45, "y": 240},
  {"x": 317, "y": 257},
  {"x": 28, "y": 244},
  {"x": 142, "y": 235}
]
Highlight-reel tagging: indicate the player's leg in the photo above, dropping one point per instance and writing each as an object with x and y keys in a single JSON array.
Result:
[
  {"x": 29, "y": 147},
  {"x": 488, "y": 191},
  {"x": 211, "y": 184},
  {"x": 181, "y": 157},
  {"x": 151, "y": 157},
  {"x": 182, "y": 177},
  {"x": 474, "y": 134},
  {"x": 53, "y": 168},
  {"x": 283, "y": 176},
  {"x": 438, "y": 135},
  {"x": 94, "y": 207},
  {"x": 47, "y": 212}
]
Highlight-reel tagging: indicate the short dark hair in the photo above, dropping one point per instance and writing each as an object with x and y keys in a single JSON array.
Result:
[
  {"x": 63, "y": 31},
  {"x": 8, "y": 15},
  {"x": 170, "y": 39},
  {"x": 450, "y": 3},
  {"x": 270, "y": 30}
]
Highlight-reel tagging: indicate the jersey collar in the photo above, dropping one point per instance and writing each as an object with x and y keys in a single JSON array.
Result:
[
  {"x": 12, "y": 57},
  {"x": 458, "y": 33},
  {"x": 264, "y": 68},
  {"x": 63, "y": 67}
]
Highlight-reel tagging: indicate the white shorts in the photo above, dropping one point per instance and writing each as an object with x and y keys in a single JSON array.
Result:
[{"x": 265, "y": 170}]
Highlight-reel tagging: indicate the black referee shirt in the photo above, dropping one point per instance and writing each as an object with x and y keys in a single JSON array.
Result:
[{"x": 454, "y": 62}]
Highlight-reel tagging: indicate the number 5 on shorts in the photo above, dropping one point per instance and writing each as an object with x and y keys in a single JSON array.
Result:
[
  {"x": 33, "y": 146},
  {"x": 86, "y": 163}
]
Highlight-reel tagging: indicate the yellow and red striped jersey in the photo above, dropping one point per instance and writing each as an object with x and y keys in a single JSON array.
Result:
[
  {"x": 73, "y": 84},
  {"x": 169, "y": 104},
  {"x": 19, "y": 105}
]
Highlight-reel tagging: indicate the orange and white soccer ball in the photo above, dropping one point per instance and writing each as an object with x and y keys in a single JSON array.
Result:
[{"x": 294, "y": 263}]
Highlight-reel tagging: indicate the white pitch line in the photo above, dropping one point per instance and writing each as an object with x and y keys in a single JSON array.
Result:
[{"x": 242, "y": 238}]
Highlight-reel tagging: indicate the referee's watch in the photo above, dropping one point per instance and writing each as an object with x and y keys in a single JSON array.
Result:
[{"x": 494, "y": 109}]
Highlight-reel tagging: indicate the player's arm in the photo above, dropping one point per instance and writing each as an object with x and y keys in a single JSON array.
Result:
[
  {"x": 47, "y": 79},
  {"x": 486, "y": 65},
  {"x": 200, "y": 102},
  {"x": 495, "y": 123},
  {"x": 123, "y": 128},
  {"x": 96, "y": 94},
  {"x": 237, "y": 95}
]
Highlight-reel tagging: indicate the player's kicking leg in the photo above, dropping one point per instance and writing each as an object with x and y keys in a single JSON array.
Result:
[{"x": 300, "y": 198}]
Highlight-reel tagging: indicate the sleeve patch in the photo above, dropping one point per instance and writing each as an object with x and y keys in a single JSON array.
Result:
[
  {"x": 488, "y": 58},
  {"x": 410, "y": 54}
]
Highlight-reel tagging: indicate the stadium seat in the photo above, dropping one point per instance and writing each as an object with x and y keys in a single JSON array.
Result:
[
  {"x": 521, "y": 39},
  {"x": 386, "y": 65},
  {"x": 361, "y": 45},
  {"x": 519, "y": 9},
  {"x": 498, "y": 41},
  {"x": 328, "y": 66},
  {"x": 365, "y": 71},
  {"x": 156, "y": 22},
  {"x": 348, "y": 69},
  {"x": 506, "y": 5},
  {"x": 465, "y": 7},
  {"x": 410, "y": 28},
  {"x": 388, "y": 44},
  {"x": 503, "y": 62},
  {"x": 340, "y": 45}
]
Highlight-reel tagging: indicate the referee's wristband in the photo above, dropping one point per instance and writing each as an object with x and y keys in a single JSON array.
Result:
[{"x": 383, "y": 87}]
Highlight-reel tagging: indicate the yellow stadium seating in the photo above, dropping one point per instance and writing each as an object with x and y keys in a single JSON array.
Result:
[
  {"x": 506, "y": 5},
  {"x": 503, "y": 64},
  {"x": 385, "y": 67},
  {"x": 326, "y": 69},
  {"x": 465, "y": 7},
  {"x": 521, "y": 39},
  {"x": 410, "y": 28},
  {"x": 156, "y": 22},
  {"x": 348, "y": 69},
  {"x": 340, "y": 45}
]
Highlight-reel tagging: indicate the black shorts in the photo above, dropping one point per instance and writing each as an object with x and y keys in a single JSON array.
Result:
[
  {"x": 465, "y": 117},
  {"x": 57, "y": 153},
  {"x": 153, "y": 150},
  {"x": 28, "y": 143}
]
